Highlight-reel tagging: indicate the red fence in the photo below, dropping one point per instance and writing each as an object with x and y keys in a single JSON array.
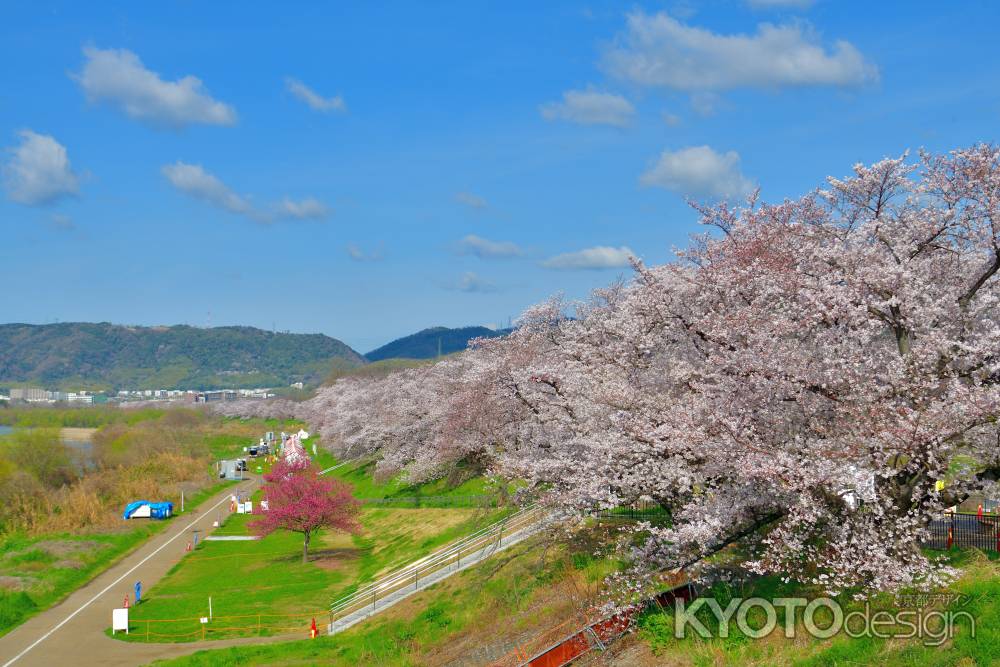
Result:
[{"x": 554, "y": 648}]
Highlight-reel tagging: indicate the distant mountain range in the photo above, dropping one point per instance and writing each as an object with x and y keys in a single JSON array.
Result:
[
  {"x": 429, "y": 343},
  {"x": 109, "y": 356}
]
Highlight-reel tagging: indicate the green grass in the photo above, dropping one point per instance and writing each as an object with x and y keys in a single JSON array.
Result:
[
  {"x": 50, "y": 567},
  {"x": 979, "y": 586},
  {"x": 360, "y": 476},
  {"x": 267, "y": 577},
  {"x": 85, "y": 417},
  {"x": 476, "y": 615}
]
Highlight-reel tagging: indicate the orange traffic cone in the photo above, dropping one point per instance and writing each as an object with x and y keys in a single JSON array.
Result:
[{"x": 125, "y": 604}]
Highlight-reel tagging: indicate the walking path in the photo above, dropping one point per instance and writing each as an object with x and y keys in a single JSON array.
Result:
[
  {"x": 72, "y": 632},
  {"x": 468, "y": 560}
]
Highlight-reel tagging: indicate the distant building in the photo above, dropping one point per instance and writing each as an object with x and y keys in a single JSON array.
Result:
[{"x": 31, "y": 394}]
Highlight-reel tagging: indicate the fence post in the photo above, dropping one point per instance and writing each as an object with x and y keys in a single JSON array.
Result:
[
  {"x": 258, "y": 625},
  {"x": 951, "y": 530}
]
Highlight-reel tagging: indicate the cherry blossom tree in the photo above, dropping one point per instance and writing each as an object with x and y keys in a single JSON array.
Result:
[
  {"x": 301, "y": 501},
  {"x": 798, "y": 381}
]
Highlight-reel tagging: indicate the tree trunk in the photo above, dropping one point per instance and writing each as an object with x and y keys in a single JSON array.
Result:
[{"x": 305, "y": 547}]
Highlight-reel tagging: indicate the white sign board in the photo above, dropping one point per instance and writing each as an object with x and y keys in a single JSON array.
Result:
[
  {"x": 249, "y": 506},
  {"x": 119, "y": 620},
  {"x": 263, "y": 505},
  {"x": 204, "y": 619},
  {"x": 241, "y": 508}
]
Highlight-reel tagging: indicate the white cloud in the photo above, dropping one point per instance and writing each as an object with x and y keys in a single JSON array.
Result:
[
  {"x": 699, "y": 171},
  {"x": 590, "y": 107},
  {"x": 672, "y": 120},
  {"x": 599, "y": 257},
  {"x": 485, "y": 248},
  {"x": 119, "y": 77},
  {"x": 471, "y": 282},
  {"x": 194, "y": 181},
  {"x": 38, "y": 171},
  {"x": 705, "y": 103},
  {"x": 661, "y": 51},
  {"x": 359, "y": 255},
  {"x": 306, "y": 209},
  {"x": 470, "y": 200},
  {"x": 315, "y": 101},
  {"x": 780, "y": 4}
]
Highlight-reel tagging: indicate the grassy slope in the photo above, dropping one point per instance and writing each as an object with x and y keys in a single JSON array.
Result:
[
  {"x": 980, "y": 582},
  {"x": 487, "y": 611},
  {"x": 247, "y": 578},
  {"x": 480, "y": 614}
]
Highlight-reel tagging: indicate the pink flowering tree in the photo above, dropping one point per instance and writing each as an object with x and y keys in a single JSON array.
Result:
[
  {"x": 301, "y": 501},
  {"x": 801, "y": 380}
]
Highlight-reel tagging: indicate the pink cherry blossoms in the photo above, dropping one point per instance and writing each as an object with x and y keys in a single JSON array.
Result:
[{"x": 797, "y": 381}]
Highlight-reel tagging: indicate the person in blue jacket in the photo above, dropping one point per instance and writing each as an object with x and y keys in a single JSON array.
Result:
[{"x": 138, "y": 592}]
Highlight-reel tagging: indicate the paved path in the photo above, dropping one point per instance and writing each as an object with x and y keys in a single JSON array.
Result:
[
  {"x": 467, "y": 561},
  {"x": 72, "y": 632}
]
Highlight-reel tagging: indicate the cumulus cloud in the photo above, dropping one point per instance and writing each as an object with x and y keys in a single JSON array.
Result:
[
  {"x": 38, "y": 171},
  {"x": 590, "y": 107},
  {"x": 471, "y": 200},
  {"x": 599, "y": 257},
  {"x": 118, "y": 77},
  {"x": 699, "y": 171},
  {"x": 661, "y": 51},
  {"x": 485, "y": 248},
  {"x": 471, "y": 282},
  {"x": 315, "y": 101},
  {"x": 194, "y": 181},
  {"x": 359, "y": 255}
]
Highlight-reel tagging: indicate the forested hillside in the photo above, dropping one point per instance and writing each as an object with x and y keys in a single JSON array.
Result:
[
  {"x": 76, "y": 355},
  {"x": 428, "y": 343}
]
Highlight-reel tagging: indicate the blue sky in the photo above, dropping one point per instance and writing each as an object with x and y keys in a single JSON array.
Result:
[{"x": 376, "y": 168}]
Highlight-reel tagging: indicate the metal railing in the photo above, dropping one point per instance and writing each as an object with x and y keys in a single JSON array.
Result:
[
  {"x": 410, "y": 576},
  {"x": 637, "y": 511},
  {"x": 959, "y": 529}
]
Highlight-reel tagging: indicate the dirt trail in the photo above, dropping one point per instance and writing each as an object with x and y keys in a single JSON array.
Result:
[{"x": 72, "y": 633}]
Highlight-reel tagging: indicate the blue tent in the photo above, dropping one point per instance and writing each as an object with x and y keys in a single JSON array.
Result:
[{"x": 144, "y": 509}]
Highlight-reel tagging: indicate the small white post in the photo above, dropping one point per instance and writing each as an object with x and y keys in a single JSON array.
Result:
[{"x": 182, "y": 500}]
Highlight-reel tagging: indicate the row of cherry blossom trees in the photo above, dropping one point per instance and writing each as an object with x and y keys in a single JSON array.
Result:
[{"x": 799, "y": 380}]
